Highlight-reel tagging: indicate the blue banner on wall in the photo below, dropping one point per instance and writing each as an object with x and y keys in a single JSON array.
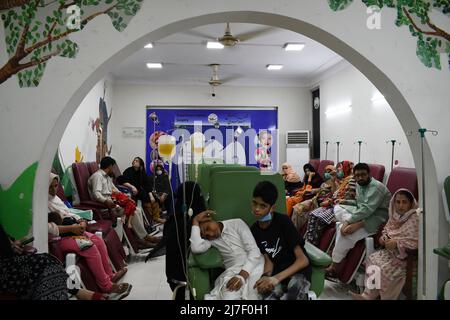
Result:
[{"x": 243, "y": 136}]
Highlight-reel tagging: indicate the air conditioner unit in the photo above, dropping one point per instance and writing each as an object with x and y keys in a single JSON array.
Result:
[{"x": 298, "y": 149}]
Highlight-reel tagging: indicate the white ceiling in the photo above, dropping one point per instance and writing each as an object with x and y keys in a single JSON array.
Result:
[{"x": 186, "y": 58}]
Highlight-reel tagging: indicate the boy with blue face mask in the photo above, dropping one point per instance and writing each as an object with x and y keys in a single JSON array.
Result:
[{"x": 287, "y": 271}]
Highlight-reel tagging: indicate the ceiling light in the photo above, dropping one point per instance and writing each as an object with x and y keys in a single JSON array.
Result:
[
  {"x": 274, "y": 66},
  {"x": 338, "y": 110},
  {"x": 154, "y": 65},
  {"x": 149, "y": 46},
  {"x": 294, "y": 46},
  {"x": 214, "y": 45}
]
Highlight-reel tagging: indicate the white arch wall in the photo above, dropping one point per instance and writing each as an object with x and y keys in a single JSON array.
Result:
[{"x": 391, "y": 49}]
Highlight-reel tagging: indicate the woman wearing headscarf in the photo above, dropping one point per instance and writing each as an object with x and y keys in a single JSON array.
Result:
[
  {"x": 291, "y": 179},
  {"x": 301, "y": 210},
  {"x": 141, "y": 187},
  {"x": 75, "y": 239},
  {"x": 312, "y": 180},
  {"x": 322, "y": 216},
  {"x": 400, "y": 234}
]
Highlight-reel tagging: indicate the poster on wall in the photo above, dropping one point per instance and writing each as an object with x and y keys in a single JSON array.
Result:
[{"x": 244, "y": 136}]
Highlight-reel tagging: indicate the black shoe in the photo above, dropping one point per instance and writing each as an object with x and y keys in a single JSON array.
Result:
[{"x": 156, "y": 252}]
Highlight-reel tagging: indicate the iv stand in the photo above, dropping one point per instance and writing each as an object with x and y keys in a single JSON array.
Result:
[
  {"x": 326, "y": 149},
  {"x": 392, "y": 156},
  {"x": 422, "y": 132},
  {"x": 338, "y": 143},
  {"x": 359, "y": 142}
]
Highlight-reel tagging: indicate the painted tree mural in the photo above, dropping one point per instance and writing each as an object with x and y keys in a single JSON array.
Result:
[
  {"x": 37, "y": 30},
  {"x": 431, "y": 39}
]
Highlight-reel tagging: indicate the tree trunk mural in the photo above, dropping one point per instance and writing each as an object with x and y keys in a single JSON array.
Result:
[{"x": 37, "y": 30}]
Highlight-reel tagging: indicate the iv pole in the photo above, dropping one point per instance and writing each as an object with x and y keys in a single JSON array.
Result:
[
  {"x": 393, "y": 148},
  {"x": 422, "y": 132},
  {"x": 338, "y": 143},
  {"x": 359, "y": 142},
  {"x": 326, "y": 149},
  {"x": 155, "y": 120}
]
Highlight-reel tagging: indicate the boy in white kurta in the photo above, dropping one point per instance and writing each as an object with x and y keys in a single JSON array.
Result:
[{"x": 244, "y": 263}]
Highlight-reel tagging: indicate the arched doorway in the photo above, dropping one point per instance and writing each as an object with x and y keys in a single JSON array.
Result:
[{"x": 383, "y": 83}]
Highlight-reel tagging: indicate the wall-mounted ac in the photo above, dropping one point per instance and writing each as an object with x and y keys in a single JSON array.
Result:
[{"x": 298, "y": 149}]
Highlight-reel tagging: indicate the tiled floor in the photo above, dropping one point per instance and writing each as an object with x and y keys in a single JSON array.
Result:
[
  {"x": 148, "y": 280},
  {"x": 149, "y": 283}
]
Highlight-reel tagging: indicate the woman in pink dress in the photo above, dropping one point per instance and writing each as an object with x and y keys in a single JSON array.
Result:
[{"x": 400, "y": 234}]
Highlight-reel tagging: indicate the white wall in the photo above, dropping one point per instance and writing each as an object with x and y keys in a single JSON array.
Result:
[
  {"x": 130, "y": 101},
  {"x": 34, "y": 119},
  {"x": 371, "y": 122},
  {"x": 79, "y": 131}
]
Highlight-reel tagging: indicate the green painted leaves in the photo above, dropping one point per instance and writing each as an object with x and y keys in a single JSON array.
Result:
[
  {"x": 337, "y": 5},
  {"x": 38, "y": 31},
  {"x": 431, "y": 40},
  {"x": 16, "y": 204}
]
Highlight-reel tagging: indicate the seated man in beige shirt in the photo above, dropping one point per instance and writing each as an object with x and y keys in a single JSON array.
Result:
[{"x": 101, "y": 188}]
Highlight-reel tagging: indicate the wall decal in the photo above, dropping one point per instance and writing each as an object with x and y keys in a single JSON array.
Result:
[
  {"x": 101, "y": 128},
  {"x": 16, "y": 204},
  {"x": 431, "y": 39},
  {"x": 37, "y": 30},
  {"x": 78, "y": 156}
]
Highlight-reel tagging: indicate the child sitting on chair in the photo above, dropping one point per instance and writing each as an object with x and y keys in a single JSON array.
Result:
[
  {"x": 287, "y": 271},
  {"x": 243, "y": 261}
]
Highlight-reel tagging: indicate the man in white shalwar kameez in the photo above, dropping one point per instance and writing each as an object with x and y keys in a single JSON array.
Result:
[{"x": 243, "y": 261}]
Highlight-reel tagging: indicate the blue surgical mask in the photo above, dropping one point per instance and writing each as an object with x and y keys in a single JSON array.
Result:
[
  {"x": 266, "y": 218},
  {"x": 340, "y": 175},
  {"x": 327, "y": 176}
]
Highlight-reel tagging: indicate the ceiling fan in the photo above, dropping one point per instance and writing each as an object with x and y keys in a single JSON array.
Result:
[
  {"x": 215, "y": 81},
  {"x": 230, "y": 40}
]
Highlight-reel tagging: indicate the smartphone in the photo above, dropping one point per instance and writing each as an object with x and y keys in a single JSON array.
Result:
[{"x": 27, "y": 241}]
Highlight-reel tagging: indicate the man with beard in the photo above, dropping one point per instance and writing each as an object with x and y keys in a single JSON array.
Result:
[
  {"x": 101, "y": 189},
  {"x": 371, "y": 210}
]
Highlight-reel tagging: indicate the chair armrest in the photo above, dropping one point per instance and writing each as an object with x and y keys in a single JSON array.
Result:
[
  {"x": 91, "y": 204},
  {"x": 206, "y": 260},
  {"x": 316, "y": 256},
  {"x": 370, "y": 248}
]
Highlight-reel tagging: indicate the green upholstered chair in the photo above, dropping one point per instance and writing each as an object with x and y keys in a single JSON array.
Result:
[
  {"x": 230, "y": 196},
  {"x": 204, "y": 172}
]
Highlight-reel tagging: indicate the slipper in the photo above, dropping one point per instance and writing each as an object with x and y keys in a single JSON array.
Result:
[
  {"x": 119, "y": 275},
  {"x": 121, "y": 295}
]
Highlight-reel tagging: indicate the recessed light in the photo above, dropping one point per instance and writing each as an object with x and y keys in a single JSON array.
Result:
[
  {"x": 214, "y": 45},
  {"x": 274, "y": 66},
  {"x": 154, "y": 65},
  {"x": 294, "y": 46},
  {"x": 149, "y": 46}
]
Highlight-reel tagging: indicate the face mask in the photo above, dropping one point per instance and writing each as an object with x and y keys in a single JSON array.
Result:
[
  {"x": 266, "y": 218},
  {"x": 159, "y": 172},
  {"x": 327, "y": 176},
  {"x": 340, "y": 175}
]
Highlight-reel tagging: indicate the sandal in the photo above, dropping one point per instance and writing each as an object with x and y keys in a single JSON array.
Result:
[
  {"x": 119, "y": 275},
  {"x": 123, "y": 291}
]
